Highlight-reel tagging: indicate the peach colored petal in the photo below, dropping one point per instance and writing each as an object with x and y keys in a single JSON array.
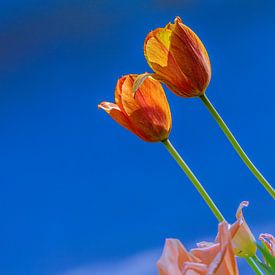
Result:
[
  {"x": 195, "y": 269},
  {"x": 204, "y": 244},
  {"x": 209, "y": 258},
  {"x": 173, "y": 257},
  {"x": 225, "y": 261},
  {"x": 206, "y": 254}
]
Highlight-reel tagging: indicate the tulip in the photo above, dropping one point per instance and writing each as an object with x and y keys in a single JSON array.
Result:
[
  {"x": 244, "y": 242},
  {"x": 147, "y": 114},
  {"x": 217, "y": 258},
  {"x": 178, "y": 58}
]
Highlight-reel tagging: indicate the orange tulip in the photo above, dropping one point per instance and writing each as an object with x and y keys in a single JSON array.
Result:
[
  {"x": 217, "y": 258},
  {"x": 178, "y": 58},
  {"x": 244, "y": 242},
  {"x": 147, "y": 114}
]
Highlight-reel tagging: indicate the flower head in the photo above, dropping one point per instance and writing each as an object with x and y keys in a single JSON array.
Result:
[
  {"x": 147, "y": 114},
  {"x": 244, "y": 242},
  {"x": 269, "y": 241},
  {"x": 178, "y": 58},
  {"x": 208, "y": 258}
]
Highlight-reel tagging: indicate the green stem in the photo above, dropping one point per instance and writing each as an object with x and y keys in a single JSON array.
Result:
[
  {"x": 202, "y": 192},
  {"x": 256, "y": 259},
  {"x": 237, "y": 146},
  {"x": 261, "y": 264},
  {"x": 254, "y": 266},
  {"x": 194, "y": 180}
]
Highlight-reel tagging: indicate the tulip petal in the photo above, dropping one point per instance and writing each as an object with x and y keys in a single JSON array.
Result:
[
  {"x": 115, "y": 112},
  {"x": 149, "y": 110},
  {"x": 157, "y": 46},
  {"x": 173, "y": 257},
  {"x": 187, "y": 47},
  {"x": 159, "y": 57},
  {"x": 139, "y": 80},
  {"x": 118, "y": 91}
]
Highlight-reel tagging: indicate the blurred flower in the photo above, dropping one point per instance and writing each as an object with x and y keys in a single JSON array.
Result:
[
  {"x": 269, "y": 241},
  {"x": 267, "y": 250},
  {"x": 178, "y": 58},
  {"x": 147, "y": 114},
  {"x": 209, "y": 258},
  {"x": 244, "y": 242}
]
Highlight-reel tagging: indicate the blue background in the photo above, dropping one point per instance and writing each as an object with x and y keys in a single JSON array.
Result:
[{"x": 76, "y": 188}]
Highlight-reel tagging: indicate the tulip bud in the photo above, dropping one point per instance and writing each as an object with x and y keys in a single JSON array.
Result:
[
  {"x": 146, "y": 114},
  {"x": 178, "y": 58}
]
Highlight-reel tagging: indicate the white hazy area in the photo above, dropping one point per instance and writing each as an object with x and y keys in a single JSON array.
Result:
[
  {"x": 144, "y": 263},
  {"x": 141, "y": 264}
]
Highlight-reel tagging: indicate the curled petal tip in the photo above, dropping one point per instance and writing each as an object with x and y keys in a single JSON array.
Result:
[
  {"x": 239, "y": 213},
  {"x": 177, "y": 20},
  {"x": 265, "y": 235},
  {"x": 101, "y": 105},
  {"x": 107, "y": 106},
  {"x": 245, "y": 203}
]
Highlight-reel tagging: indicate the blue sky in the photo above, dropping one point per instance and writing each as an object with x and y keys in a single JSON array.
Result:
[{"x": 76, "y": 188}]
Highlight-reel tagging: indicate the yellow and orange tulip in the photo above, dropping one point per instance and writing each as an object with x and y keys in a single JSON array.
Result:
[
  {"x": 178, "y": 58},
  {"x": 217, "y": 258},
  {"x": 146, "y": 114}
]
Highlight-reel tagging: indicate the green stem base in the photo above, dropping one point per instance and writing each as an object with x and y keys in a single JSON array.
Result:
[{"x": 254, "y": 266}]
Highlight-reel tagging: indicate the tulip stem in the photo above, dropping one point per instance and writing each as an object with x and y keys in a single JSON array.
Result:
[
  {"x": 254, "y": 266},
  {"x": 237, "y": 146},
  {"x": 194, "y": 180},
  {"x": 171, "y": 149}
]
